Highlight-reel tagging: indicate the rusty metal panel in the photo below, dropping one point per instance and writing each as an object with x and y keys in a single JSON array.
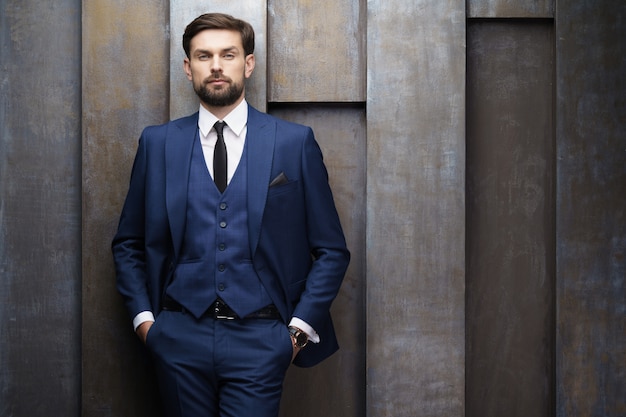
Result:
[
  {"x": 317, "y": 51},
  {"x": 183, "y": 100},
  {"x": 591, "y": 208},
  {"x": 511, "y": 8},
  {"x": 125, "y": 69},
  {"x": 39, "y": 208},
  {"x": 415, "y": 208},
  {"x": 337, "y": 386},
  {"x": 510, "y": 219}
]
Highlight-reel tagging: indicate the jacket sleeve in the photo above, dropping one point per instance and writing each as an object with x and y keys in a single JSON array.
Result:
[
  {"x": 326, "y": 240},
  {"x": 128, "y": 245}
]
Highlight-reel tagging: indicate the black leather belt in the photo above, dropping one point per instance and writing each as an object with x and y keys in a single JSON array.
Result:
[{"x": 220, "y": 311}]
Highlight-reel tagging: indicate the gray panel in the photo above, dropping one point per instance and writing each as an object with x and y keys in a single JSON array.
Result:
[
  {"x": 39, "y": 208},
  {"x": 337, "y": 386},
  {"x": 317, "y": 51},
  {"x": 125, "y": 68},
  {"x": 510, "y": 8},
  {"x": 415, "y": 208},
  {"x": 510, "y": 219},
  {"x": 591, "y": 210},
  {"x": 183, "y": 100}
]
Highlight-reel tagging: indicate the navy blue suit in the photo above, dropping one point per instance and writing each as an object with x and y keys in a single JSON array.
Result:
[{"x": 296, "y": 242}]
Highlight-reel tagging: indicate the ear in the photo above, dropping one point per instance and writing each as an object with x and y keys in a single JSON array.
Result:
[
  {"x": 250, "y": 63},
  {"x": 187, "y": 68}
]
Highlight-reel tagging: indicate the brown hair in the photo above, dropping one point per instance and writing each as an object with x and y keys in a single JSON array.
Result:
[{"x": 219, "y": 21}]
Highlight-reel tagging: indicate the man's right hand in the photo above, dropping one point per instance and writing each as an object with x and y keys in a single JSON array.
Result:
[{"x": 142, "y": 330}]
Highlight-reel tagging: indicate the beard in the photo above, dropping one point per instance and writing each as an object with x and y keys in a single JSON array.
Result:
[{"x": 218, "y": 98}]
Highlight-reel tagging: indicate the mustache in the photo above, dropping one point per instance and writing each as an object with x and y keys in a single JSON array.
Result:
[{"x": 215, "y": 77}]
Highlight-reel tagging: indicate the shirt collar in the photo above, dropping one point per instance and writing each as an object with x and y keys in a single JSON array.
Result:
[{"x": 236, "y": 119}]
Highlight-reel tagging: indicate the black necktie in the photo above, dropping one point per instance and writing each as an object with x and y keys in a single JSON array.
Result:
[{"x": 220, "y": 172}]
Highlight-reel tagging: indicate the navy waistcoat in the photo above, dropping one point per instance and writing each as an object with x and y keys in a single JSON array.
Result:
[{"x": 215, "y": 260}]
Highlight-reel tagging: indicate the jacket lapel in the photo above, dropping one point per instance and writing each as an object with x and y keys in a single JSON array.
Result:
[
  {"x": 260, "y": 141},
  {"x": 179, "y": 141}
]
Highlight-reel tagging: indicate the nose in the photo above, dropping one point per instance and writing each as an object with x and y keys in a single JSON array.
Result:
[{"x": 216, "y": 64}]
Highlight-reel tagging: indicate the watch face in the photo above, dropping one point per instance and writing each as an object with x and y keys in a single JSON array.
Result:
[{"x": 301, "y": 339}]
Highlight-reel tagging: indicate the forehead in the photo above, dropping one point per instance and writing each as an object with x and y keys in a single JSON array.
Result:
[{"x": 216, "y": 40}]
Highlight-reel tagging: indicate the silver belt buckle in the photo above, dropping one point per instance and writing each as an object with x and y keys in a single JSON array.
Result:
[{"x": 219, "y": 304}]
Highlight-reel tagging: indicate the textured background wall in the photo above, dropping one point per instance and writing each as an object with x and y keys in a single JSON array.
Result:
[
  {"x": 40, "y": 208},
  {"x": 337, "y": 385},
  {"x": 510, "y": 8},
  {"x": 125, "y": 79},
  {"x": 79, "y": 80},
  {"x": 510, "y": 218},
  {"x": 415, "y": 247},
  {"x": 591, "y": 208}
]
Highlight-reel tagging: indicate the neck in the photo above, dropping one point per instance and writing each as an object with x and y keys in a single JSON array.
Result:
[{"x": 222, "y": 111}]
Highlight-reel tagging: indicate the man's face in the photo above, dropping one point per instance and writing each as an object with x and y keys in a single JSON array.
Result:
[{"x": 218, "y": 67}]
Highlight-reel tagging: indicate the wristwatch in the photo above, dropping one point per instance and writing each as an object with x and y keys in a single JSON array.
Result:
[{"x": 300, "y": 339}]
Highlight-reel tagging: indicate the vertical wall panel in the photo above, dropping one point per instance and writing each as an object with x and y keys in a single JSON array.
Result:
[
  {"x": 510, "y": 219},
  {"x": 591, "y": 208},
  {"x": 39, "y": 208},
  {"x": 415, "y": 208},
  {"x": 183, "y": 100},
  {"x": 125, "y": 71},
  {"x": 510, "y": 8},
  {"x": 317, "y": 51},
  {"x": 336, "y": 388}
]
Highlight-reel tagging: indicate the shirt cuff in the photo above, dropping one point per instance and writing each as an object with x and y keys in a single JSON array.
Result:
[
  {"x": 306, "y": 328},
  {"x": 142, "y": 317}
]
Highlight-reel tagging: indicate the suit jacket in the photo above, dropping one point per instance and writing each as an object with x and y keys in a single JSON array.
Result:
[{"x": 296, "y": 241}]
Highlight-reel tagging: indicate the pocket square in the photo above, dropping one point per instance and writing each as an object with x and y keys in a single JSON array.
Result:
[{"x": 279, "y": 180}]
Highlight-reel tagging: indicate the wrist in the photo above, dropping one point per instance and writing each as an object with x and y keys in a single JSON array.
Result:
[{"x": 298, "y": 337}]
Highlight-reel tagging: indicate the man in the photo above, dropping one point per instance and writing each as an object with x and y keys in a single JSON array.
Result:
[{"x": 229, "y": 250}]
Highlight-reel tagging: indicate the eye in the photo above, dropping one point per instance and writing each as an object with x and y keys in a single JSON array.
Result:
[{"x": 229, "y": 56}]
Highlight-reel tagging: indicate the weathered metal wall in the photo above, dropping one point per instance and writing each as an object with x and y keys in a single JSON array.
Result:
[
  {"x": 125, "y": 77},
  {"x": 317, "y": 54},
  {"x": 415, "y": 208},
  {"x": 394, "y": 140},
  {"x": 336, "y": 387},
  {"x": 317, "y": 51},
  {"x": 510, "y": 218},
  {"x": 510, "y": 9},
  {"x": 591, "y": 208},
  {"x": 39, "y": 207}
]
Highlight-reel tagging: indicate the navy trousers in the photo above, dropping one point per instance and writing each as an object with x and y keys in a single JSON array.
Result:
[{"x": 219, "y": 368}]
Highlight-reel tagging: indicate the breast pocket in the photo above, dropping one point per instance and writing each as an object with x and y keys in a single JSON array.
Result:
[
  {"x": 276, "y": 190},
  {"x": 284, "y": 207}
]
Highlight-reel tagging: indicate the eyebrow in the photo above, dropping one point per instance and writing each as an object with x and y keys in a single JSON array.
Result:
[{"x": 205, "y": 51}]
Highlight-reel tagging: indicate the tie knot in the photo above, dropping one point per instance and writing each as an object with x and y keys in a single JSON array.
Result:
[{"x": 219, "y": 127}]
